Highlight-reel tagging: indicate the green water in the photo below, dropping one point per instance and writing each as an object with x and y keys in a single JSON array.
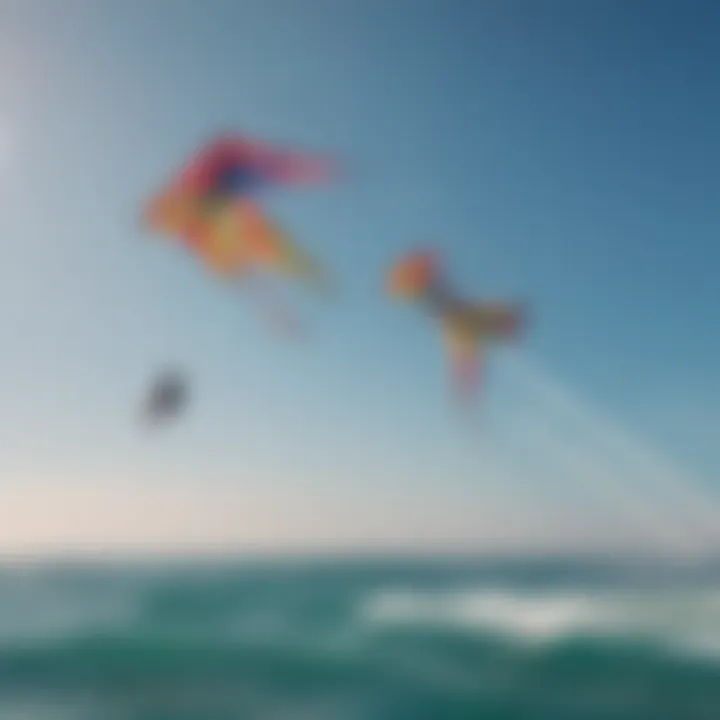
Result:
[{"x": 401, "y": 640}]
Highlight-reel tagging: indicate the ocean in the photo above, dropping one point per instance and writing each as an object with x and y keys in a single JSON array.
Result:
[{"x": 360, "y": 639}]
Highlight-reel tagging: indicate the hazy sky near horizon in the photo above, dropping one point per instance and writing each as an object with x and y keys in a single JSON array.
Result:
[{"x": 563, "y": 152}]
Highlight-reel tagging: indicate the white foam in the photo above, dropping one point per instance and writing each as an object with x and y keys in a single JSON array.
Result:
[{"x": 688, "y": 618}]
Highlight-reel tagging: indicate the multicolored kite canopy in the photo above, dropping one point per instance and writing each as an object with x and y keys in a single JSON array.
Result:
[
  {"x": 212, "y": 207},
  {"x": 231, "y": 167},
  {"x": 468, "y": 328},
  {"x": 414, "y": 275}
]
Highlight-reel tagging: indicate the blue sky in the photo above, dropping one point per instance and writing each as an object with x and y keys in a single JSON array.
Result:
[{"x": 560, "y": 151}]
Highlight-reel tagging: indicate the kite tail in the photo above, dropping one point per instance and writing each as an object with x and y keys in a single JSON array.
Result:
[
  {"x": 286, "y": 322},
  {"x": 466, "y": 374},
  {"x": 301, "y": 264}
]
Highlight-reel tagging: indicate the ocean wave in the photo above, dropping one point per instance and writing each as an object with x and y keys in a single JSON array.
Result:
[
  {"x": 686, "y": 619},
  {"x": 416, "y": 675},
  {"x": 347, "y": 644}
]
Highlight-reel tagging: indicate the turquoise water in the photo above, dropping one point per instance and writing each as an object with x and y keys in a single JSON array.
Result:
[{"x": 351, "y": 639}]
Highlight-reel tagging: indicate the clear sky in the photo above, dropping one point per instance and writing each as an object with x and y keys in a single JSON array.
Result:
[{"x": 561, "y": 151}]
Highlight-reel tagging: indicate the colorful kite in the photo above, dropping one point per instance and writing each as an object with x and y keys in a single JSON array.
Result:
[
  {"x": 468, "y": 327},
  {"x": 232, "y": 167},
  {"x": 212, "y": 208}
]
